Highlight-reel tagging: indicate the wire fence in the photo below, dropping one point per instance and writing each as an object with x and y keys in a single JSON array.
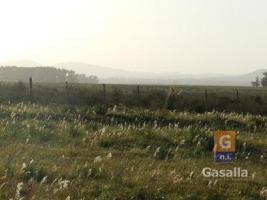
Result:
[{"x": 180, "y": 98}]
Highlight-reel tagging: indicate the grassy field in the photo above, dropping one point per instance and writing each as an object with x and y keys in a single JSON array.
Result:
[
  {"x": 60, "y": 152},
  {"x": 189, "y": 98}
]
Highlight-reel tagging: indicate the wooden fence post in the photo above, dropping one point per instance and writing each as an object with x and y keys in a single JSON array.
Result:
[
  {"x": 138, "y": 94},
  {"x": 31, "y": 92},
  {"x": 206, "y": 99},
  {"x": 67, "y": 92},
  {"x": 104, "y": 93}
]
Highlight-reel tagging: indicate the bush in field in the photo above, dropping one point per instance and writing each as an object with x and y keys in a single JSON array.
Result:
[
  {"x": 101, "y": 109},
  {"x": 117, "y": 95},
  {"x": 223, "y": 103},
  {"x": 158, "y": 97}
]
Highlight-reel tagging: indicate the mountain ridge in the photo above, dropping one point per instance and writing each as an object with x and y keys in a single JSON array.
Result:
[{"x": 121, "y": 76}]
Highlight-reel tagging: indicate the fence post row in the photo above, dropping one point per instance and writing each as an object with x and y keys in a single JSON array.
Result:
[
  {"x": 138, "y": 93},
  {"x": 206, "y": 99},
  {"x": 67, "y": 92},
  {"x": 104, "y": 93},
  {"x": 237, "y": 95},
  {"x": 31, "y": 92}
]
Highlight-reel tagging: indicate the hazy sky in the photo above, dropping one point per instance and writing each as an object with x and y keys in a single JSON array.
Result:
[{"x": 187, "y": 36}]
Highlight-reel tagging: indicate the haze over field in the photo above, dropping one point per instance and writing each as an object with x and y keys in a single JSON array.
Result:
[
  {"x": 161, "y": 39},
  {"x": 120, "y": 76}
]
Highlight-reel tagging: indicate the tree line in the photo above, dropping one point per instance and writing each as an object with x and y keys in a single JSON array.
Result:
[
  {"x": 260, "y": 82},
  {"x": 44, "y": 74}
]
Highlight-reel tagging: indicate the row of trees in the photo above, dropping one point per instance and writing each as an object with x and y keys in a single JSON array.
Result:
[
  {"x": 260, "y": 82},
  {"x": 44, "y": 74},
  {"x": 264, "y": 79}
]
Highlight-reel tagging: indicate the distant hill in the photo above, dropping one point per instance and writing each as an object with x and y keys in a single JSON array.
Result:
[
  {"x": 84, "y": 68},
  {"x": 120, "y": 76},
  {"x": 186, "y": 79}
]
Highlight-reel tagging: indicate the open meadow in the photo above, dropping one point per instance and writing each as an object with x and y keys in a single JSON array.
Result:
[
  {"x": 127, "y": 142},
  {"x": 77, "y": 152}
]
